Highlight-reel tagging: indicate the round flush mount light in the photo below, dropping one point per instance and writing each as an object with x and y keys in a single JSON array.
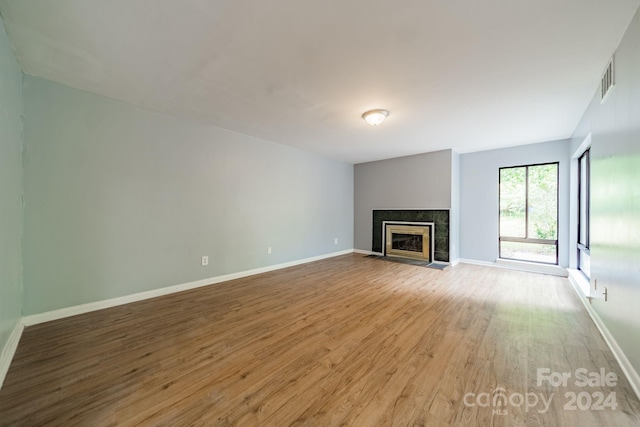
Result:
[{"x": 375, "y": 117}]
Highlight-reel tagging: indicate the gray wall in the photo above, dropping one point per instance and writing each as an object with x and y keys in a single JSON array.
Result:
[
  {"x": 479, "y": 196},
  {"x": 10, "y": 189},
  {"x": 615, "y": 196},
  {"x": 120, "y": 200},
  {"x": 420, "y": 181}
]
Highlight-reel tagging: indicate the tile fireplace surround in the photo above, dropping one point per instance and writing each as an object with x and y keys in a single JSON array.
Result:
[{"x": 440, "y": 218}]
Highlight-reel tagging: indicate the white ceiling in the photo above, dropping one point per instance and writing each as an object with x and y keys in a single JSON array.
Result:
[{"x": 461, "y": 74}]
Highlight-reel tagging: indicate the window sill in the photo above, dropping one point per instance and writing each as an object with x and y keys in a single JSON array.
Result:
[{"x": 534, "y": 267}]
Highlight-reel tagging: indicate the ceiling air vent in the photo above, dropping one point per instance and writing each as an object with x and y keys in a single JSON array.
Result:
[{"x": 608, "y": 81}]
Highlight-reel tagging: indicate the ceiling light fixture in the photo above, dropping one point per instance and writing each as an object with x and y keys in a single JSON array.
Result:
[{"x": 375, "y": 117}]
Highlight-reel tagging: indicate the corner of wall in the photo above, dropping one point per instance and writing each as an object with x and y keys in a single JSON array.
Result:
[
  {"x": 454, "y": 218},
  {"x": 22, "y": 168}
]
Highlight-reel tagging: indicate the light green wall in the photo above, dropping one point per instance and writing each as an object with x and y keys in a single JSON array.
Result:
[
  {"x": 10, "y": 189},
  {"x": 615, "y": 196},
  {"x": 120, "y": 200}
]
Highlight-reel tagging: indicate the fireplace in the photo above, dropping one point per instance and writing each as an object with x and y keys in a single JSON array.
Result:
[
  {"x": 439, "y": 218},
  {"x": 412, "y": 240}
]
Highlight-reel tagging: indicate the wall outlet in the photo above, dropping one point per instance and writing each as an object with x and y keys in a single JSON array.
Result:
[
  {"x": 269, "y": 250},
  {"x": 335, "y": 241},
  {"x": 205, "y": 260}
]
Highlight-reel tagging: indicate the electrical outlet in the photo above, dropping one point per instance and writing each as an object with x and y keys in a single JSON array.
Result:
[
  {"x": 205, "y": 260},
  {"x": 269, "y": 250},
  {"x": 335, "y": 241}
]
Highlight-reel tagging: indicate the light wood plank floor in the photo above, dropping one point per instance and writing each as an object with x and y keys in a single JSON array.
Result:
[{"x": 345, "y": 341}]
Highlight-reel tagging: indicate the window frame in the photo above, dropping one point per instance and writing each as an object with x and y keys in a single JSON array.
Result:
[
  {"x": 527, "y": 239},
  {"x": 583, "y": 245}
]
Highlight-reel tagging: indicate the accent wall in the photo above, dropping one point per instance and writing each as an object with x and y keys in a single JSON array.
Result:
[{"x": 422, "y": 181}]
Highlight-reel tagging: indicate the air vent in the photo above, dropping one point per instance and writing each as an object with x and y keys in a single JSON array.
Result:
[{"x": 608, "y": 80}]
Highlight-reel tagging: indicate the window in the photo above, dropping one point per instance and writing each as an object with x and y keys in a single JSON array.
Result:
[
  {"x": 528, "y": 225},
  {"x": 584, "y": 257}
]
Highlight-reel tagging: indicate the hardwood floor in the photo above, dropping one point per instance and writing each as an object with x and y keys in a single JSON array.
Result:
[{"x": 345, "y": 341}]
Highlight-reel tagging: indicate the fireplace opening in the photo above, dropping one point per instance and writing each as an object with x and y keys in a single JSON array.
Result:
[{"x": 408, "y": 240}]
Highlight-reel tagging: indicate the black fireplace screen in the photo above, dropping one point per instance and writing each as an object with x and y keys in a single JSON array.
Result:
[{"x": 406, "y": 242}]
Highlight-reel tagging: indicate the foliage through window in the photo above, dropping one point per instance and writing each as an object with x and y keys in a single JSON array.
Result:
[{"x": 529, "y": 213}]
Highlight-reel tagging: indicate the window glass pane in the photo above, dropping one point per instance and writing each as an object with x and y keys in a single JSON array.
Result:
[
  {"x": 582, "y": 233},
  {"x": 534, "y": 252},
  {"x": 513, "y": 197},
  {"x": 543, "y": 202}
]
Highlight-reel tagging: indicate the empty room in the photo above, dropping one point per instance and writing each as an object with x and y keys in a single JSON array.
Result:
[{"x": 342, "y": 213}]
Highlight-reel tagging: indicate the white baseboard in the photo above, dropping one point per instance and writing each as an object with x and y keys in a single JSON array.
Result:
[
  {"x": 454, "y": 262},
  {"x": 623, "y": 361},
  {"x": 553, "y": 270},
  {"x": 48, "y": 316},
  {"x": 9, "y": 350}
]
